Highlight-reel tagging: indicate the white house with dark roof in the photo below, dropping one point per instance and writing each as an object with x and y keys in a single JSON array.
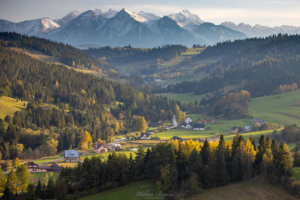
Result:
[
  {"x": 71, "y": 155},
  {"x": 188, "y": 120}
]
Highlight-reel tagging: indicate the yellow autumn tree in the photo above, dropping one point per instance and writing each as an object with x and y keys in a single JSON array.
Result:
[
  {"x": 117, "y": 126},
  {"x": 85, "y": 141},
  {"x": 141, "y": 124},
  {"x": 267, "y": 159}
]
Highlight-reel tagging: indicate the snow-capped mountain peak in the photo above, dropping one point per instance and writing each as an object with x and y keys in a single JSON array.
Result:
[
  {"x": 72, "y": 15},
  {"x": 133, "y": 15},
  {"x": 148, "y": 16},
  {"x": 110, "y": 13},
  {"x": 48, "y": 25},
  {"x": 97, "y": 12},
  {"x": 186, "y": 18}
]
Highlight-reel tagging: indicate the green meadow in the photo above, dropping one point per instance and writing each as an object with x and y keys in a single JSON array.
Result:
[
  {"x": 127, "y": 192},
  {"x": 8, "y": 106},
  {"x": 281, "y": 109},
  {"x": 296, "y": 173}
]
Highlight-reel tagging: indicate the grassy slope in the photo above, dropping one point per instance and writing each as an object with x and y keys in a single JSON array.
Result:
[
  {"x": 8, "y": 106},
  {"x": 296, "y": 173},
  {"x": 256, "y": 188},
  {"x": 128, "y": 192},
  {"x": 265, "y": 108},
  {"x": 186, "y": 97},
  {"x": 42, "y": 175}
]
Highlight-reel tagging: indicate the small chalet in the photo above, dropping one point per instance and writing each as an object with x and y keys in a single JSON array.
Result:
[
  {"x": 100, "y": 147},
  {"x": 247, "y": 128},
  {"x": 155, "y": 124},
  {"x": 199, "y": 121},
  {"x": 188, "y": 120},
  {"x": 256, "y": 120},
  {"x": 116, "y": 148},
  {"x": 71, "y": 155},
  {"x": 211, "y": 120},
  {"x": 205, "y": 121},
  {"x": 33, "y": 166},
  {"x": 52, "y": 168},
  {"x": 145, "y": 136},
  {"x": 236, "y": 130},
  {"x": 176, "y": 138},
  {"x": 198, "y": 127}
]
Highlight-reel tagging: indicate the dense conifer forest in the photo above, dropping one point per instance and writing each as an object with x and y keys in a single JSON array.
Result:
[
  {"x": 119, "y": 55},
  {"x": 67, "y": 54}
]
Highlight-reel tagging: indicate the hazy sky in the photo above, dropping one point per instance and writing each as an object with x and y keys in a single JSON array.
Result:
[{"x": 264, "y": 12}]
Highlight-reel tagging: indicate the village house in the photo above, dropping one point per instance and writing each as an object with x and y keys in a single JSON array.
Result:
[
  {"x": 198, "y": 127},
  {"x": 71, "y": 155},
  {"x": 54, "y": 167},
  {"x": 33, "y": 166},
  {"x": 116, "y": 148},
  {"x": 187, "y": 125},
  {"x": 156, "y": 124},
  {"x": 188, "y": 120},
  {"x": 199, "y": 121},
  {"x": 205, "y": 121},
  {"x": 100, "y": 147},
  {"x": 247, "y": 128},
  {"x": 164, "y": 86},
  {"x": 158, "y": 80},
  {"x": 145, "y": 136},
  {"x": 211, "y": 120},
  {"x": 236, "y": 130},
  {"x": 176, "y": 138}
]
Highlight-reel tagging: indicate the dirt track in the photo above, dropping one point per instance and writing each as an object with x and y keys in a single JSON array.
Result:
[{"x": 289, "y": 115}]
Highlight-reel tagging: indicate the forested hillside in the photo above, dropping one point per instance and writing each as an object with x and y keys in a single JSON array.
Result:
[
  {"x": 67, "y": 54},
  {"x": 79, "y": 100},
  {"x": 119, "y": 55}
]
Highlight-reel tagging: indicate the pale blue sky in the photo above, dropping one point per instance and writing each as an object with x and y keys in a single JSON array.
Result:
[{"x": 264, "y": 12}]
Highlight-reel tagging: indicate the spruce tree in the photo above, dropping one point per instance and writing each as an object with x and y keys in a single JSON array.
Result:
[
  {"x": 2, "y": 181},
  {"x": 12, "y": 181},
  {"x": 195, "y": 163},
  {"x": 206, "y": 153},
  {"x": 30, "y": 192},
  {"x": 283, "y": 163},
  {"x": 61, "y": 189},
  {"x": 220, "y": 166},
  {"x": 296, "y": 161},
  {"x": 7, "y": 194},
  {"x": 50, "y": 191},
  {"x": 38, "y": 190}
]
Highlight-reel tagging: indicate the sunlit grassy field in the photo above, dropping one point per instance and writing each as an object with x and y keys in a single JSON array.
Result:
[
  {"x": 47, "y": 159},
  {"x": 296, "y": 173},
  {"x": 281, "y": 110},
  {"x": 192, "y": 51},
  {"x": 127, "y": 192},
  {"x": 186, "y": 97},
  {"x": 42, "y": 176},
  {"x": 8, "y": 106}
]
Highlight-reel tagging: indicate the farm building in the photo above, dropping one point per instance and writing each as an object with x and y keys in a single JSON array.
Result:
[
  {"x": 100, "y": 147},
  {"x": 211, "y": 120},
  {"x": 33, "y": 166},
  {"x": 52, "y": 168},
  {"x": 188, "y": 120},
  {"x": 205, "y": 121},
  {"x": 116, "y": 148},
  {"x": 199, "y": 121},
  {"x": 176, "y": 138},
  {"x": 198, "y": 127},
  {"x": 145, "y": 136},
  {"x": 247, "y": 128},
  {"x": 71, "y": 155},
  {"x": 187, "y": 125},
  {"x": 155, "y": 124},
  {"x": 236, "y": 130}
]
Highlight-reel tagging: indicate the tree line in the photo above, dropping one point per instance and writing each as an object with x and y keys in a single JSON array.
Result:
[
  {"x": 179, "y": 168},
  {"x": 119, "y": 55}
]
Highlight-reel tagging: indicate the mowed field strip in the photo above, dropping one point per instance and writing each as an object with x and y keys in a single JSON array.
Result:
[{"x": 8, "y": 106}]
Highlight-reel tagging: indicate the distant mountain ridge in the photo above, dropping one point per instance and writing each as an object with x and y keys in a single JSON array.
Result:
[
  {"x": 121, "y": 28},
  {"x": 261, "y": 31}
]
